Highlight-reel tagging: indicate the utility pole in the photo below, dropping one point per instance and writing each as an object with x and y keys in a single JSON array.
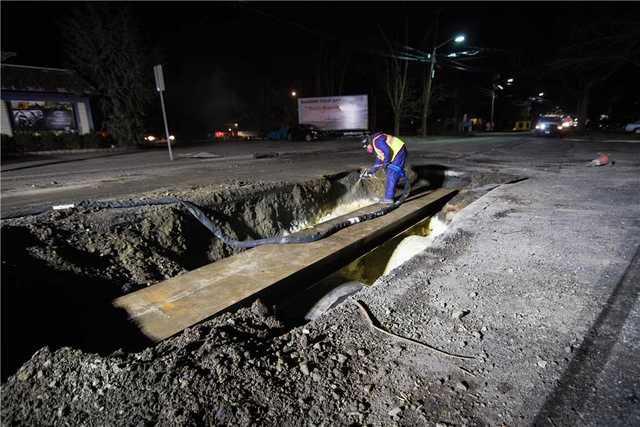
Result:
[
  {"x": 432, "y": 69},
  {"x": 493, "y": 103},
  {"x": 427, "y": 99},
  {"x": 427, "y": 92},
  {"x": 497, "y": 84}
]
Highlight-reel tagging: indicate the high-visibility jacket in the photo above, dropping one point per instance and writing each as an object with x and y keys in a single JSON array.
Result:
[{"x": 393, "y": 143}]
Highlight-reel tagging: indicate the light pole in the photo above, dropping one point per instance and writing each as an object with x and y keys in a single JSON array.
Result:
[
  {"x": 493, "y": 105},
  {"x": 496, "y": 86},
  {"x": 292, "y": 118},
  {"x": 425, "y": 112},
  {"x": 493, "y": 102}
]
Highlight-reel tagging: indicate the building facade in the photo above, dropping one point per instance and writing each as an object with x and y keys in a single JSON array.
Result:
[{"x": 38, "y": 99}]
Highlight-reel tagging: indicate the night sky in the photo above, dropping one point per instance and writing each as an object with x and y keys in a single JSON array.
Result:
[{"x": 220, "y": 58}]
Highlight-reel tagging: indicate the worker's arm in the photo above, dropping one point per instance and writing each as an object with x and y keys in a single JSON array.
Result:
[{"x": 381, "y": 144}]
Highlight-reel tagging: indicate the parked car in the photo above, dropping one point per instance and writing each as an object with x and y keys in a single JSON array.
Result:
[
  {"x": 633, "y": 127},
  {"x": 277, "y": 134},
  {"x": 303, "y": 132},
  {"x": 156, "y": 139}
]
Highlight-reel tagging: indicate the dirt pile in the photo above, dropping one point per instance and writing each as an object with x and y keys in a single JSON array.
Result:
[{"x": 60, "y": 270}]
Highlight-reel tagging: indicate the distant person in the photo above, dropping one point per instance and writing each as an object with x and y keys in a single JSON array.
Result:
[
  {"x": 466, "y": 124},
  {"x": 391, "y": 153}
]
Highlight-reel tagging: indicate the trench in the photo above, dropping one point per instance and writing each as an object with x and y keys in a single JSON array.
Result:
[
  {"x": 61, "y": 270},
  {"x": 365, "y": 270}
]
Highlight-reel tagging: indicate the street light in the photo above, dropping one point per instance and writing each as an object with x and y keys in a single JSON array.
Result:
[
  {"x": 235, "y": 125},
  {"x": 494, "y": 86},
  {"x": 294, "y": 93},
  {"x": 425, "y": 112},
  {"x": 541, "y": 94}
]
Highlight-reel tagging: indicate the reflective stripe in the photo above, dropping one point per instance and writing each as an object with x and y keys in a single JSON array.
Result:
[
  {"x": 379, "y": 153},
  {"x": 396, "y": 168},
  {"x": 394, "y": 143}
]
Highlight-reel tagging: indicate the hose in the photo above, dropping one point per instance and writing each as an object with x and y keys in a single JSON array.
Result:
[
  {"x": 305, "y": 238},
  {"x": 333, "y": 298},
  {"x": 217, "y": 231}
]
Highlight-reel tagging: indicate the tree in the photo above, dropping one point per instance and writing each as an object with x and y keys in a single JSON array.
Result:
[
  {"x": 396, "y": 72},
  {"x": 332, "y": 63},
  {"x": 103, "y": 46},
  {"x": 594, "y": 54}
]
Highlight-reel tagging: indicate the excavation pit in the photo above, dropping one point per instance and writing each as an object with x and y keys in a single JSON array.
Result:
[{"x": 61, "y": 270}]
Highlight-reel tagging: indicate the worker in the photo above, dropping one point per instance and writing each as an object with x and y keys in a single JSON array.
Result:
[{"x": 391, "y": 154}]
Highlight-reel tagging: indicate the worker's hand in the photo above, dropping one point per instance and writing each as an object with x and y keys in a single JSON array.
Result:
[{"x": 366, "y": 173}]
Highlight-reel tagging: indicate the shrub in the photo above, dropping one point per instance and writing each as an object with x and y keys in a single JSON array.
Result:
[
  {"x": 69, "y": 141},
  {"x": 7, "y": 145},
  {"x": 46, "y": 141},
  {"x": 91, "y": 140}
]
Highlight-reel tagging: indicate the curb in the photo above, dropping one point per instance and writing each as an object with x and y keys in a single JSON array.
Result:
[{"x": 75, "y": 151}]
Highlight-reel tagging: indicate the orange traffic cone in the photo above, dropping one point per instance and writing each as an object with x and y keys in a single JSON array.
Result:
[{"x": 601, "y": 160}]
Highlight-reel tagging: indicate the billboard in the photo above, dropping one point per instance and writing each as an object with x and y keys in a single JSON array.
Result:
[
  {"x": 335, "y": 112},
  {"x": 42, "y": 115}
]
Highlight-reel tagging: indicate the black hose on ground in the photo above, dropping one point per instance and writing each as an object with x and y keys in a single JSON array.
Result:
[
  {"x": 333, "y": 298},
  {"x": 240, "y": 244},
  {"x": 306, "y": 238}
]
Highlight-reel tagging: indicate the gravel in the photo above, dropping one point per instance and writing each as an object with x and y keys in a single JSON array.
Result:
[{"x": 534, "y": 262}]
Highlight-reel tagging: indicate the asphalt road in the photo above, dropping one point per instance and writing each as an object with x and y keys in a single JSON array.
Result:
[{"x": 39, "y": 182}]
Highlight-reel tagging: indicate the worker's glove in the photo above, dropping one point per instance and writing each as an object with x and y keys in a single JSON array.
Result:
[{"x": 366, "y": 173}]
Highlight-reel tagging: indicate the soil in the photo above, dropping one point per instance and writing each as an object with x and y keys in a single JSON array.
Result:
[
  {"x": 536, "y": 281},
  {"x": 61, "y": 269},
  {"x": 249, "y": 352}
]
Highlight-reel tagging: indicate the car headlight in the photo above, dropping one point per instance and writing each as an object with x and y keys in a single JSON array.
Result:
[{"x": 150, "y": 138}]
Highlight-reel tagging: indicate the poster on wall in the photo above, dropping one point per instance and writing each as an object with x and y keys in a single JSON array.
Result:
[
  {"x": 43, "y": 115},
  {"x": 335, "y": 112}
]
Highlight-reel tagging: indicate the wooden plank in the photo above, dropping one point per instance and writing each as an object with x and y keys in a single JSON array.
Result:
[{"x": 167, "y": 308}]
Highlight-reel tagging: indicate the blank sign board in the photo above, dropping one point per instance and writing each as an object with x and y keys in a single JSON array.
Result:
[{"x": 157, "y": 72}]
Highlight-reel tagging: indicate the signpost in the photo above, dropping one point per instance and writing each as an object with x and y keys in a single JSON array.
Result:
[{"x": 157, "y": 72}]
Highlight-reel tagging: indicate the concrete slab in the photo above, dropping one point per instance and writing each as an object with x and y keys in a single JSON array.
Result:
[{"x": 167, "y": 308}]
